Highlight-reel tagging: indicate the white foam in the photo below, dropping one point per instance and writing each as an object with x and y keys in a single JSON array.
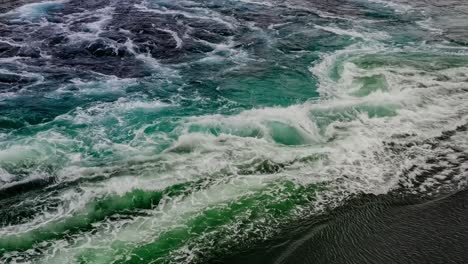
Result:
[
  {"x": 429, "y": 25},
  {"x": 394, "y": 4},
  {"x": 225, "y": 51},
  {"x": 10, "y": 42},
  {"x": 261, "y": 3},
  {"x": 169, "y": 214},
  {"x": 197, "y": 13},
  {"x": 106, "y": 85},
  {"x": 175, "y": 36},
  {"x": 35, "y": 10},
  {"x": 355, "y": 34},
  {"x": 105, "y": 16},
  {"x": 5, "y": 176},
  {"x": 92, "y": 30},
  {"x": 150, "y": 61},
  {"x": 102, "y": 110},
  {"x": 340, "y": 31},
  {"x": 316, "y": 11}
]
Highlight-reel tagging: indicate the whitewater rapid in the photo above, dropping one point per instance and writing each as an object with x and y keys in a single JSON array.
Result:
[{"x": 157, "y": 142}]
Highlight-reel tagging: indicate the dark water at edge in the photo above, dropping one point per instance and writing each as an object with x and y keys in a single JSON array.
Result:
[{"x": 374, "y": 229}]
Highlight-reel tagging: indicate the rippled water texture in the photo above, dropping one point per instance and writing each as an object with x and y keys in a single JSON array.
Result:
[{"x": 162, "y": 131}]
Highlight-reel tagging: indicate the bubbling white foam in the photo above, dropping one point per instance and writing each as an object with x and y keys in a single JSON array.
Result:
[{"x": 35, "y": 10}]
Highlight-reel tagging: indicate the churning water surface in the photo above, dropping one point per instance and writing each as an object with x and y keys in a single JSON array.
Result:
[{"x": 156, "y": 131}]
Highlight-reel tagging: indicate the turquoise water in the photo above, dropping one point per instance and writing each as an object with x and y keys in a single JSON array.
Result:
[{"x": 178, "y": 131}]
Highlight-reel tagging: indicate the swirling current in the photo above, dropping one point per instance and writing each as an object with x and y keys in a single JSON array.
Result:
[{"x": 233, "y": 131}]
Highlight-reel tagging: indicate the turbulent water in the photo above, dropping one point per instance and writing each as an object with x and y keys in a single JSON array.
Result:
[{"x": 185, "y": 131}]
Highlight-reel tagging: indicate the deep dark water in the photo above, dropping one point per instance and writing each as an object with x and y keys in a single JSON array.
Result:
[{"x": 375, "y": 229}]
